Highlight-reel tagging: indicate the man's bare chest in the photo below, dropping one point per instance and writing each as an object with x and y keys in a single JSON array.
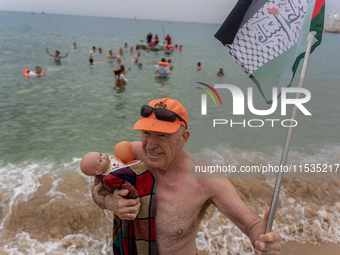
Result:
[{"x": 178, "y": 211}]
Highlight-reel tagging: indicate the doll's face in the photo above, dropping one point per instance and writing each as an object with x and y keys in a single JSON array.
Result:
[{"x": 95, "y": 163}]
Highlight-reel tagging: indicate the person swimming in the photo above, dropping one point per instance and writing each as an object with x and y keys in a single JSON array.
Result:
[
  {"x": 38, "y": 72},
  {"x": 120, "y": 60},
  {"x": 136, "y": 60},
  {"x": 121, "y": 52},
  {"x": 57, "y": 57},
  {"x": 220, "y": 72},
  {"x": 118, "y": 70},
  {"x": 199, "y": 67},
  {"x": 121, "y": 79},
  {"x": 91, "y": 57},
  {"x": 111, "y": 55}
]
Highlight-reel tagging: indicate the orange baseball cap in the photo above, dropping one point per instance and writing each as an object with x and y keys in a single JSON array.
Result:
[{"x": 153, "y": 124}]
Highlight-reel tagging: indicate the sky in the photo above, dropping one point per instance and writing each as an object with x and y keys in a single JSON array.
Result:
[{"x": 205, "y": 11}]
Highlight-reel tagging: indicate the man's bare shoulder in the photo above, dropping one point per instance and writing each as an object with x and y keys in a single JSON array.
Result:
[
  {"x": 194, "y": 161},
  {"x": 213, "y": 184},
  {"x": 137, "y": 146},
  {"x": 198, "y": 169}
]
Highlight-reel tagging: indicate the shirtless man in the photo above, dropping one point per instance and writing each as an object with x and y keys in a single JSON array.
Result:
[
  {"x": 111, "y": 55},
  {"x": 181, "y": 200}
]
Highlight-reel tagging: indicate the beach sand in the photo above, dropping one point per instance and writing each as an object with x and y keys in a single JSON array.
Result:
[
  {"x": 293, "y": 248},
  {"x": 60, "y": 215}
]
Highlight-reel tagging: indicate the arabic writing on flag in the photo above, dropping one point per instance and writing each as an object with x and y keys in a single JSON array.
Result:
[{"x": 268, "y": 38}]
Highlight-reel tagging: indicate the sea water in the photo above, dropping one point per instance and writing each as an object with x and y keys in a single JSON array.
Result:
[{"x": 48, "y": 123}]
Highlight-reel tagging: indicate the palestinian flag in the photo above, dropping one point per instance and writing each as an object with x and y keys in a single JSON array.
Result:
[{"x": 268, "y": 39}]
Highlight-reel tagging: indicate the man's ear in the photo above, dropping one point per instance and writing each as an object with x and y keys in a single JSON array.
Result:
[{"x": 185, "y": 136}]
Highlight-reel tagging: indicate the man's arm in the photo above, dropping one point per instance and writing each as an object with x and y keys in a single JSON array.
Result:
[
  {"x": 42, "y": 74},
  {"x": 99, "y": 200},
  {"x": 225, "y": 197},
  {"x": 125, "y": 209}
]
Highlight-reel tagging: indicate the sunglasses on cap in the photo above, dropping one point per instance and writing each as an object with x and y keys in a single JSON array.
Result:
[{"x": 161, "y": 114}]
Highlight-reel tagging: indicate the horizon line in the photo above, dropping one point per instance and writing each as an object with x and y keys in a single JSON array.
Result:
[{"x": 95, "y": 16}]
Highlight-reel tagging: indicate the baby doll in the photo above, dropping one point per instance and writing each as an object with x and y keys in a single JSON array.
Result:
[{"x": 96, "y": 163}]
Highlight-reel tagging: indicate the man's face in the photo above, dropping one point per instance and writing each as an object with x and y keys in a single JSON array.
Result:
[
  {"x": 38, "y": 70},
  {"x": 161, "y": 149}
]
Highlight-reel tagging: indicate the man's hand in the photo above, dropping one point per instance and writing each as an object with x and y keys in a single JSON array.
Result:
[
  {"x": 125, "y": 209},
  {"x": 268, "y": 243}
]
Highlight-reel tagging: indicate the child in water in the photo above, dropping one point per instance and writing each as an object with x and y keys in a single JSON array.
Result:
[
  {"x": 199, "y": 67},
  {"x": 220, "y": 72}
]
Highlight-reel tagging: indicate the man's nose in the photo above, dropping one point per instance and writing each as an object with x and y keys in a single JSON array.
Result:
[{"x": 151, "y": 143}]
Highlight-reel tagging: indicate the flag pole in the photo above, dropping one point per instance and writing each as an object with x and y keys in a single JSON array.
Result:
[
  {"x": 284, "y": 155},
  {"x": 163, "y": 32}
]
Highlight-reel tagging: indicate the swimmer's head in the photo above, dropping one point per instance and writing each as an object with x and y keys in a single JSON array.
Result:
[
  {"x": 57, "y": 52},
  {"x": 163, "y": 59},
  {"x": 38, "y": 69}
]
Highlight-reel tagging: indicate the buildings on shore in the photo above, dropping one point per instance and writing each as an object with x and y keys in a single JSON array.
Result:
[{"x": 332, "y": 23}]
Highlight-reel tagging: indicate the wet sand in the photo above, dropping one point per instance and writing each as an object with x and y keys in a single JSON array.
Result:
[
  {"x": 60, "y": 215},
  {"x": 293, "y": 248}
]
